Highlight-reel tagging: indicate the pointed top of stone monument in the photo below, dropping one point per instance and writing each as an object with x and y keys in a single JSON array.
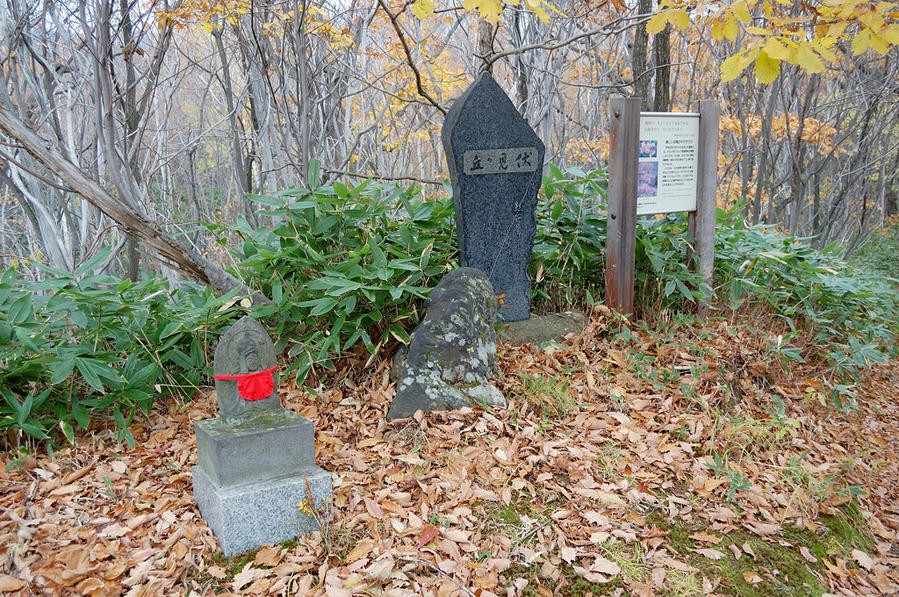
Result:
[{"x": 484, "y": 113}]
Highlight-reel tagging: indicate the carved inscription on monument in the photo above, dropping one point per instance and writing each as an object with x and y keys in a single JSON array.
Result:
[{"x": 500, "y": 161}]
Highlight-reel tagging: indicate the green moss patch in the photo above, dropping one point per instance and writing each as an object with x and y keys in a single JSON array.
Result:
[
  {"x": 517, "y": 518},
  {"x": 779, "y": 567},
  {"x": 569, "y": 584},
  {"x": 849, "y": 529},
  {"x": 776, "y": 569}
]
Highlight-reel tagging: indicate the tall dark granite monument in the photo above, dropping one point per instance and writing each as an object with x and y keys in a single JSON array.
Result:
[{"x": 495, "y": 162}]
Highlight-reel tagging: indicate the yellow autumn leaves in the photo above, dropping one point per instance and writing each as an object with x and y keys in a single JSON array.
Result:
[
  {"x": 208, "y": 15},
  {"x": 804, "y": 34},
  {"x": 805, "y": 37},
  {"x": 677, "y": 16},
  {"x": 423, "y": 8}
]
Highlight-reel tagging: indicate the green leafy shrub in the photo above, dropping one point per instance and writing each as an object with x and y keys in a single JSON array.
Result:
[
  {"x": 568, "y": 265},
  {"x": 569, "y": 245},
  {"x": 878, "y": 254},
  {"x": 346, "y": 264},
  {"x": 663, "y": 277},
  {"x": 351, "y": 263},
  {"x": 853, "y": 315},
  {"x": 79, "y": 343}
]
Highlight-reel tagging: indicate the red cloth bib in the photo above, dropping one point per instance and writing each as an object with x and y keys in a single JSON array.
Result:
[{"x": 254, "y": 386}]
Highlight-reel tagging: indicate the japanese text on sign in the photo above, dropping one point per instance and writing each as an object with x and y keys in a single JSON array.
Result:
[{"x": 500, "y": 161}]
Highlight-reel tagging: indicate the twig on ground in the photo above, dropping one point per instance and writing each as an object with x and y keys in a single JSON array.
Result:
[{"x": 428, "y": 564}]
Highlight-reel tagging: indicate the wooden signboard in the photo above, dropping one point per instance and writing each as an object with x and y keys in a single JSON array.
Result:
[
  {"x": 667, "y": 162},
  {"x": 659, "y": 163}
]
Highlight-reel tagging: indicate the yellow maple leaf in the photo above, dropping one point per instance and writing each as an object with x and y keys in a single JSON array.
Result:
[
  {"x": 741, "y": 11},
  {"x": 761, "y": 31},
  {"x": 891, "y": 34},
  {"x": 539, "y": 9},
  {"x": 879, "y": 44},
  {"x": 731, "y": 28},
  {"x": 732, "y": 67},
  {"x": 552, "y": 7},
  {"x": 422, "y": 8},
  {"x": 809, "y": 60},
  {"x": 823, "y": 47},
  {"x": 872, "y": 20},
  {"x": 836, "y": 29},
  {"x": 766, "y": 68},
  {"x": 775, "y": 49},
  {"x": 680, "y": 19},
  {"x": 717, "y": 30},
  {"x": 491, "y": 10},
  {"x": 657, "y": 22}
]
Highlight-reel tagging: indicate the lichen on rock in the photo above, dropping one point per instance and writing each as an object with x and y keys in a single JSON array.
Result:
[{"x": 450, "y": 357}]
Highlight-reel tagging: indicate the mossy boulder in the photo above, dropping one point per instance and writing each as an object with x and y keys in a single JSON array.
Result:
[{"x": 450, "y": 357}]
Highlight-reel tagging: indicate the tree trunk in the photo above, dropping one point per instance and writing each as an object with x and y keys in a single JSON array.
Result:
[
  {"x": 761, "y": 180},
  {"x": 304, "y": 99},
  {"x": 639, "y": 54},
  {"x": 891, "y": 197},
  {"x": 521, "y": 71},
  {"x": 661, "y": 51},
  {"x": 485, "y": 45},
  {"x": 798, "y": 182},
  {"x": 132, "y": 121},
  {"x": 238, "y": 163}
]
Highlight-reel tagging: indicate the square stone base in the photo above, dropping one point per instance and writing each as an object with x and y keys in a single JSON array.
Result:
[
  {"x": 274, "y": 444},
  {"x": 246, "y": 516}
]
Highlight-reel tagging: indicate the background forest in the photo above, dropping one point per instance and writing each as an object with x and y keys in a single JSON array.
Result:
[
  {"x": 184, "y": 110},
  {"x": 168, "y": 166}
]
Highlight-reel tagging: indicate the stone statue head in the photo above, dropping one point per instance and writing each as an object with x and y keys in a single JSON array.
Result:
[{"x": 245, "y": 371}]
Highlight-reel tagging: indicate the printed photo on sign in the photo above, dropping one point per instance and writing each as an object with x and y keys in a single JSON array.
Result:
[
  {"x": 649, "y": 149},
  {"x": 647, "y": 179}
]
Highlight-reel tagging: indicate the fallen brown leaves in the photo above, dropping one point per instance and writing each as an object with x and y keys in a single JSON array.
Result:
[{"x": 581, "y": 481}]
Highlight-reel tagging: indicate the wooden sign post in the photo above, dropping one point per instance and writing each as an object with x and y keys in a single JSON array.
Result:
[
  {"x": 702, "y": 221},
  {"x": 621, "y": 228},
  {"x": 659, "y": 162}
]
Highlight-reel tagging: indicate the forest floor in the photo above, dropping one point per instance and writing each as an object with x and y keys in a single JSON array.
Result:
[{"x": 690, "y": 459}]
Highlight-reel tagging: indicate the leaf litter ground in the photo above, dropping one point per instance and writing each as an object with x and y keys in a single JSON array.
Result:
[{"x": 689, "y": 462}]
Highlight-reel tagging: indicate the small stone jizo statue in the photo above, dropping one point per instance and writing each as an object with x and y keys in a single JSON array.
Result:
[
  {"x": 245, "y": 372},
  {"x": 256, "y": 461}
]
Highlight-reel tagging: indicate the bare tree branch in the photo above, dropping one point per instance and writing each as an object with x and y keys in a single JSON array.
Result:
[
  {"x": 556, "y": 45},
  {"x": 391, "y": 178},
  {"x": 139, "y": 226},
  {"x": 41, "y": 178},
  {"x": 399, "y": 32}
]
